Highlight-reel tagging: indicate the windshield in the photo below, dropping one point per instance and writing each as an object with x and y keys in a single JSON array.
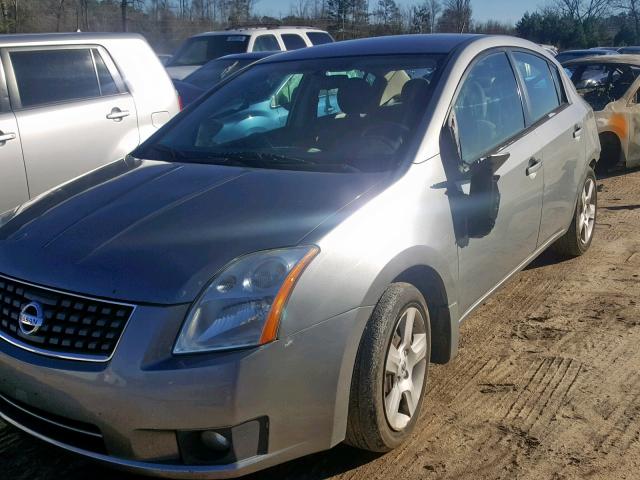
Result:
[
  {"x": 200, "y": 50},
  {"x": 352, "y": 114},
  {"x": 210, "y": 74},
  {"x": 602, "y": 83}
]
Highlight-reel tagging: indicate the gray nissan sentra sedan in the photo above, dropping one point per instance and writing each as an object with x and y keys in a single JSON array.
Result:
[{"x": 227, "y": 299}]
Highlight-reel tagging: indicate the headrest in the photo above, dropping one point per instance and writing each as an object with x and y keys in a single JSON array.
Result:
[
  {"x": 355, "y": 96},
  {"x": 415, "y": 90}
]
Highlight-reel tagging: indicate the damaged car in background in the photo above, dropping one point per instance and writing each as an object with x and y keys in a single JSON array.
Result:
[{"x": 610, "y": 85}]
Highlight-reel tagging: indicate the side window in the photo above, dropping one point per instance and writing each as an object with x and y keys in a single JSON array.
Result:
[
  {"x": 266, "y": 43},
  {"x": 562, "y": 94},
  {"x": 107, "y": 83},
  {"x": 539, "y": 84},
  {"x": 293, "y": 41},
  {"x": 488, "y": 110},
  {"x": 48, "y": 76},
  {"x": 319, "y": 38}
]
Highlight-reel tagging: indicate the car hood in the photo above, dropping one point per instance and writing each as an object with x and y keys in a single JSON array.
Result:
[{"x": 157, "y": 232}]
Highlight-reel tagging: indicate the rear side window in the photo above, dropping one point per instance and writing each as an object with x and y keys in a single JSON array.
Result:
[
  {"x": 488, "y": 109},
  {"x": 49, "y": 76},
  {"x": 107, "y": 83},
  {"x": 266, "y": 43},
  {"x": 562, "y": 95},
  {"x": 543, "y": 94},
  {"x": 319, "y": 38},
  {"x": 293, "y": 41}
]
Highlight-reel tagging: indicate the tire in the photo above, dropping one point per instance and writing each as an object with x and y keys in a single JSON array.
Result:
[
  {"x": 573, "y": 243},
  {"x": 370, "y": 426}
]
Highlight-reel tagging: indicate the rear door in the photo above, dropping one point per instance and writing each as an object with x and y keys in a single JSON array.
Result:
[
  {"x": 72, "y": 108},
  {"x": 560, "y": 128},
  {"x": 499, "y": 177}
]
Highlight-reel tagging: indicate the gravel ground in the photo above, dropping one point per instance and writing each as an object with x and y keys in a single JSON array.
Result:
[{"x": 546, "y": 384}]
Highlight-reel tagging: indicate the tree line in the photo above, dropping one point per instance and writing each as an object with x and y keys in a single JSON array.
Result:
[{"x": 165, "y": 23}]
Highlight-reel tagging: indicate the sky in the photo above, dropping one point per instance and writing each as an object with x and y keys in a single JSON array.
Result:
[{"x": 503, "y": 10}]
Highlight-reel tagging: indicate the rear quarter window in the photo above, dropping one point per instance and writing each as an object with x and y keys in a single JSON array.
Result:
[
  {"x": 319, "y": 38},
  {"x": 539, "y": 83}
]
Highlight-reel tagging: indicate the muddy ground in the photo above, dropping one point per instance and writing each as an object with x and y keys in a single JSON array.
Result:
[{"x": 546, "y": 384}]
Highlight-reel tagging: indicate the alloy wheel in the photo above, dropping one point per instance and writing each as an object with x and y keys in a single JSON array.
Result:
[
  {"x": 587, "y": 214},
  {"x": 405, "y": 366}
]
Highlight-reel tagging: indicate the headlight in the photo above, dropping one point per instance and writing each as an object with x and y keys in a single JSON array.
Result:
[{"x": 242, "y": 306}]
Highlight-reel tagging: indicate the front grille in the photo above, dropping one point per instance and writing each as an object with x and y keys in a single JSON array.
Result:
[{"x": 74, "y": 327}]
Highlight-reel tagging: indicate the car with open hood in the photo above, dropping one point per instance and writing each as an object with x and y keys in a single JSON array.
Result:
[{"x": 225, "y": 299}]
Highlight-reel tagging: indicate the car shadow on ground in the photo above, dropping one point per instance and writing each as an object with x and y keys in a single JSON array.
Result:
[
  {"x": 546, "y": 258},
  {"x": 54, "y": 464},
  {"x": 319, "y": 466}
]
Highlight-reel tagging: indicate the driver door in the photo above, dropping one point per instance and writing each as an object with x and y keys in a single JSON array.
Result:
[{"x": 500, "y": 178}]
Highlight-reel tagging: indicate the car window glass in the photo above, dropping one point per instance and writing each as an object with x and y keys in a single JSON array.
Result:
[
  {"x": 562, "y": 95},
  {"x": 266, "y": 43},
  {"x": 543, "y": 95},
  {"x": 319, "y": 114},
  {"x": 319, "y": 38},
  {"x": 215, "y": 71},
  {"x": 488, "y": 109},
  {"x": 293, "y": 41},
  {"x": 200, "y": 50},
  {"x": 107, "y": 83},
  {"x": 48, "y": 76}
]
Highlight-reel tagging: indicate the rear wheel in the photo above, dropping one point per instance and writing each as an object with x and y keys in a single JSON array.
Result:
[
  {"x": 578, "y": 238},
  {"x": 390, "y": 373}
]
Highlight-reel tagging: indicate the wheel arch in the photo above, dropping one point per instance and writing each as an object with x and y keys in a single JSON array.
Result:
[
  {"x": 612, "y": 146},
  {"x": 436, "y": 286}
]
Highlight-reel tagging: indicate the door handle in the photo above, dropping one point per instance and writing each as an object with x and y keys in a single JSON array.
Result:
[
  {"x": 577, "y": 131},
  {"x": 534, "y": 166},
  {"x": 117, "y": 114},
  {"x": 5, "y": 137}
]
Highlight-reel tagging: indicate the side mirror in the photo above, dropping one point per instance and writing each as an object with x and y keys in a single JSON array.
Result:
[{"x": 483, "y": 201}]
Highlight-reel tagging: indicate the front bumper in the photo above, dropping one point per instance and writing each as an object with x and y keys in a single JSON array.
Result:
[{"x": 143, "y": 398}]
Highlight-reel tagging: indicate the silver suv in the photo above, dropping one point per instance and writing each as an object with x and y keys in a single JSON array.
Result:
[
  {"x": 200, "y": 49},
  {"x": 70, "y": 103},
  {"x": 225, "y": 298}
]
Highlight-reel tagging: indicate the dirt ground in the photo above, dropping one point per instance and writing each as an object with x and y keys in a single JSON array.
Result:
[{"x": 546, "y": 384}]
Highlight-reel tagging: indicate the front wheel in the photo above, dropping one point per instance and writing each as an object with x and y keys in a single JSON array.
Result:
[
  {"x": 390, "y": 373},
  {"x": 578, "y": 238}
]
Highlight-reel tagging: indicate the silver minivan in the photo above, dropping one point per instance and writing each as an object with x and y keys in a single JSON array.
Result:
[
  {"x": 70, "y": 103},
  {"x": 225, "y": 299}
]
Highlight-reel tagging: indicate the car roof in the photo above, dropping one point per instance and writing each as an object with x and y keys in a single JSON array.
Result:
[
  {"x": 622, "y": 58},
  {"x": 55, "y": 38},
  {"x": 389, "y": 45},
  {"x": 586, "y": 50},
  {"x": 252, "y": 30},
  {"x": 247, "y": 56}
]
